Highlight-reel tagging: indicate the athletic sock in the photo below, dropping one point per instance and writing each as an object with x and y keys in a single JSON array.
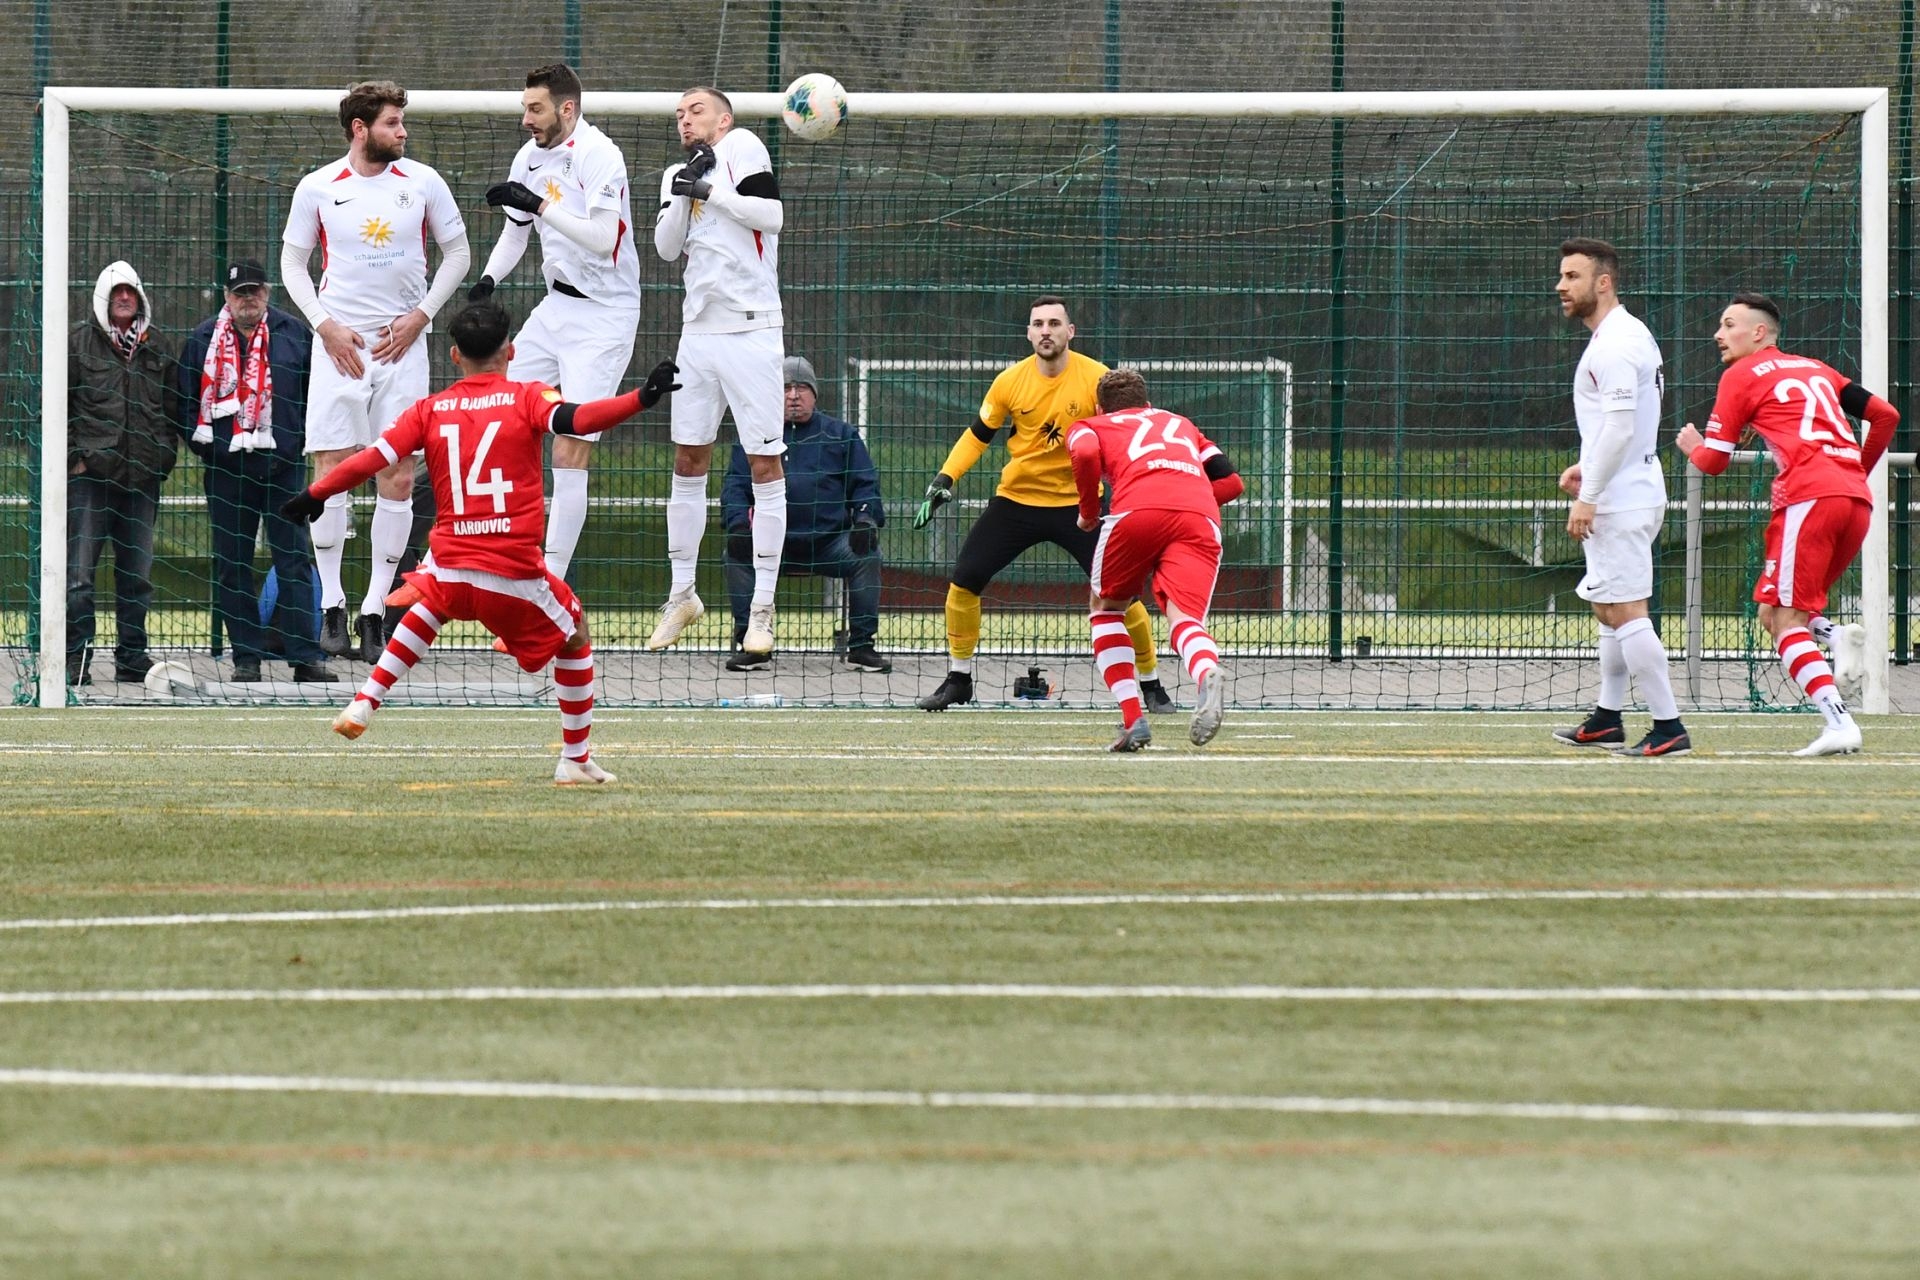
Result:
[
  {"x": 1613, "y": 671},
  {"x": 1113, "y": 655},
  {"x": 409, "y": 644},
  {"x": 769, "y": 536},
  {"x": 329, "y": 534},
  {"x": 1195, "y": 647},
  {"x": 963, "y": 624},
  {"x": 566, "y": 516},
  {"x": 1803, "y": 662},
  {"x": 686, "y": 522},
  {"x": 1646, "y": 660},
  {"x": 392, "y": 522},
  {"x": 1140, "y": 632},
  {"x": 573, "y": 682},
  {"x": 1822, "y": 629}
]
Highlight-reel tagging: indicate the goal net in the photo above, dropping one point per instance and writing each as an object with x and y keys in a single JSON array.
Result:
[{"x": 1353, "y": 294}]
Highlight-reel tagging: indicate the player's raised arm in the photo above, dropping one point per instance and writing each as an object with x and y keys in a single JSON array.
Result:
[
  {"x": 967, "y": 450},
  {"x": 401, "y": 440},
  {"x": 597, "y": 415}
]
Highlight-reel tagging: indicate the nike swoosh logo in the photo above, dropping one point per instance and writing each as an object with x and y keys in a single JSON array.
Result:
[
  {"x": 348, "y": 200},
  {"x": 532, "y": 167}
]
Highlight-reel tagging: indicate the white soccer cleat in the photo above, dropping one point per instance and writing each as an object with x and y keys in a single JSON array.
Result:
[
  {"x": 1850, "y": 660},
  {"x": 682, "y": 610},
  {"x": 1834, "y": 742},
  {"x": 1212, "y": 709},
  {"x": 354, "y": 718},
  {"x": 759, "y": 636},
  {"x": 574, "y": 773}
]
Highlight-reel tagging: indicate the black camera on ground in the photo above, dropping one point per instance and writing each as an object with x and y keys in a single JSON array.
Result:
[{"x": 1033, "y": 685}]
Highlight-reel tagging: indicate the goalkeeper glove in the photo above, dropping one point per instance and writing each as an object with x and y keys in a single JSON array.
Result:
[
  {"x": 688, "y": 183},
  {"x": 514, "y": 195},
  {"x": 700, "y": 161},
  {"x": 939, "y": 494},
  {"x": 482, "y": 290},
  {"x": 303, "y": 507},
  {"x": 658, "y": 383}
]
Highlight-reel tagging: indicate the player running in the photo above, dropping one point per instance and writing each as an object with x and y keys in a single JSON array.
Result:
[
  {"x": 370, "y": 215},
  {"x": 1039, "y": 398},
  {"x": 1821, "y": 503},
  {"x": 1169, "y": 483},
  {"x": 482, "y": 443},
  {"x": 570, "y": 179}
]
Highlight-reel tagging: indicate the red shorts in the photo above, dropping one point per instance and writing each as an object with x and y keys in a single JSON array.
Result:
[
  {"x": 1809, "y": 545},
  {"x": 1181, "y": 549},
  {"x": 535, "y": 617}
]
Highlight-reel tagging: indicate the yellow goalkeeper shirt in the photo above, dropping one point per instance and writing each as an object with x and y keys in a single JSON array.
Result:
[{"x": 1039, "y": 409}]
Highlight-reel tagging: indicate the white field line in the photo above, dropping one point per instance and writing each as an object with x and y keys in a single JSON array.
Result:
[
  {"x": 1409, "y": 897},
  {"x": 975, "y": 991},
  {"x": 931, "y": 1099}
]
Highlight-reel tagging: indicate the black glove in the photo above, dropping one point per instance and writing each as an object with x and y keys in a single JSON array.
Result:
[
  {"x": 303, "y": 507},
  {"x": 696, "y": 186},
  {"x": 658, "y": 383},
  {"x": 700, "y": 161},
  {"x": 939, "y": 494},
  {"x": 740, "y": 545},
  {"x": 514, "y": 195},
  {"x": 864, "y": 537},
  {"x": 482, "y": 290}
]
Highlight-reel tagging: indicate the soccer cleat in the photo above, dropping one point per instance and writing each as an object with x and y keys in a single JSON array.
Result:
[
  {"x": 682, "y": 610},
  {"x": 354, "y": 719},
  {"x": 1595, "y": 731},
  {"x": 1834, "y": 742},
  {"x": 404, "y": 596},
  {"x": 1849, "y": 662},
  {"x": 1153, "y": 696},
  {"x": 1134, "y": 737},
  {"x": 372, "y": 629},
  {"x": 333, "y": 631},
  {"x": 865, "y": 658},
  {"x": 573, "y": 773},
  {"x": 759, "y": 636},
  {"x": 1657, "y": 743},
  {"x": 745, "y": 661},
  {"x": 1212, "y": 709},
  {"x": 954, "y": 690}
]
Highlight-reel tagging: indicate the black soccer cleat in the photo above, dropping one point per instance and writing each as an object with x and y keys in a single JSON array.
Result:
[
  {"x": 1153, "y": 696},
  {"x": 866, "y": 658},
  {"x": 954, "y": 690},
  {"x": 1597, "y": 730},
  {"x": 372, "y": 628},
  {"x": 334, "y": 639},
  {"x": 743, "y": 660},
  {"x": 1661, "y": 742}
]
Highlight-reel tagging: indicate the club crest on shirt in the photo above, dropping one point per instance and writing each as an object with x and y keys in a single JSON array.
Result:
[{"x": 403, "y": 199}]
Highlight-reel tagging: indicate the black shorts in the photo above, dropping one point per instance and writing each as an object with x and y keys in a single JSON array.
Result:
[{"x": 1008, "y": 528}]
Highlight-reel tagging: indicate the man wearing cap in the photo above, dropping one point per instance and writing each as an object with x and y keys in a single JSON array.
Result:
[
  {"x": 834, "y": 514},
  {"x": 243, "y": 409}
]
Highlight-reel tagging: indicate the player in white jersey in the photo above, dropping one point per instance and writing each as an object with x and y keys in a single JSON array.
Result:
[
  {"x": 370, "y": 214},
  {"x": 1619, "y": 501},
  {"x": 721, "y": 209},
  {"x": 571, "y": 179}
]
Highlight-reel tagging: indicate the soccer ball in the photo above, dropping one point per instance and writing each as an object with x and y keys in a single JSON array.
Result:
[
  {"x": 815, "y": 106},
  {"x": 170, "y": 680}
]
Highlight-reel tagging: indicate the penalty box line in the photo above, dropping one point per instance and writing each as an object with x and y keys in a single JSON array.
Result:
[{"x": 957, "y": 1100}]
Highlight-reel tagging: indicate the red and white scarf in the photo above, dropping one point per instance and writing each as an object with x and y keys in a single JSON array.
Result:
[{"x": 241, "y": 392}]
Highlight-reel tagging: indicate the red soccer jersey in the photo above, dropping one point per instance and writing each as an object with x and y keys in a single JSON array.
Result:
[
  {"x": 482, "y": 440},
  {"x": 1151, "y": 457},
  {"x": 1794, "y": 403}
]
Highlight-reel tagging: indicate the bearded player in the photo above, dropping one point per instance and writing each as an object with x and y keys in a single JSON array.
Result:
[
  {"x": 1169, "y": 482},
  {"x": 482, "y": 442},
  {"x": 1821, "y": 503}
]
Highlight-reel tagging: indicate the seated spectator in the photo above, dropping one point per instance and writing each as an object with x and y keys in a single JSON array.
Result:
[{"x": 834, "y": 516}]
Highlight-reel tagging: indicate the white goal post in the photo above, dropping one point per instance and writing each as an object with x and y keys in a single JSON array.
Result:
[{"x": 1869, "y": 104}]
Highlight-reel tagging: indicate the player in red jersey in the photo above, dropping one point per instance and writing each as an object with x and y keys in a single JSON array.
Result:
[
  {"x": 1821, "y": 503},
  {"x": 482, "y": 441},
  {"x": 1169, "y": 482}
]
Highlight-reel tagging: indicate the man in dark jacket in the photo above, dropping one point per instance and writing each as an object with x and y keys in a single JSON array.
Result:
[
  {"x": 120, "y": 447},
  {"x": 834, "y": 516},
  {"x": 243, "y": 407}
]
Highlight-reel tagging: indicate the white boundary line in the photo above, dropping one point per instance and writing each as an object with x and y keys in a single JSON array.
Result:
[
  {"x": 976, "y": 991},
  {"x": 931, "y": 1099},
  {"x": 959, "y": 901}
]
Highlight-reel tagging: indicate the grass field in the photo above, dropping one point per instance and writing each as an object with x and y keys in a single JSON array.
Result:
[{"x": 861, "y": 994}]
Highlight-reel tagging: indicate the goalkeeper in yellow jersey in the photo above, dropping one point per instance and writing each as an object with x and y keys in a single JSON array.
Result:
[{"x": 1036, "y": 502}]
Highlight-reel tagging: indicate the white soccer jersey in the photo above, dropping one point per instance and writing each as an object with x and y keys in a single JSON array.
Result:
[
  {"x": 372, "y": 234},
  {"x": 1621, "y": 370},
  {"x": 584, "y": 174},
  {"x": 732, "y": 272}
]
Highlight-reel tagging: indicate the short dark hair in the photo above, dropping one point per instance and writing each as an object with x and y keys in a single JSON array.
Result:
[
  {"x": 365, "y": 101},
  {"x": 726, "y": 103},
  {"x": 558, "y": 79},
  {"x": 1606, "y": 258},
  {"x": 1121, "y": 389},
  {"x": 480, "y": 329},
  {"x": 1050, "y": 300},
  {"x": 1759, "y": 302}
]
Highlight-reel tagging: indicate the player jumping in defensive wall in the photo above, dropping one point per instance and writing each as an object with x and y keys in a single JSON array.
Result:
[
  {"x": 1041, "y": 397},
  {"x": 1821, "y": 503},
  {"x": 482, "y": 443},
  {"x": 1169, "y": 482}
]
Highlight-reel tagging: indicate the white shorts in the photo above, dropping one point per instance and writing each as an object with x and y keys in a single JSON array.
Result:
[
  {"x": 350, "y": 413},
  {"x": 737, "y": 371},
  {"x": 1620, "y": 556},
  {"x": 578, "y": 346}
]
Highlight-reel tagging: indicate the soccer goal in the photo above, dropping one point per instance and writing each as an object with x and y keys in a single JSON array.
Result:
[{"x": 1353, "y": 292}]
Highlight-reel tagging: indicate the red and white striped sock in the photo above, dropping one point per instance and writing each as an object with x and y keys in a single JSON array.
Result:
[
  {"x": 1113, "y": 654},
  {"x": 1195, "y": 647},
  {"x": 573, "y": 681},
  {"x": 1808, "y": 667},
  {"x": 409, "y": 644}
]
